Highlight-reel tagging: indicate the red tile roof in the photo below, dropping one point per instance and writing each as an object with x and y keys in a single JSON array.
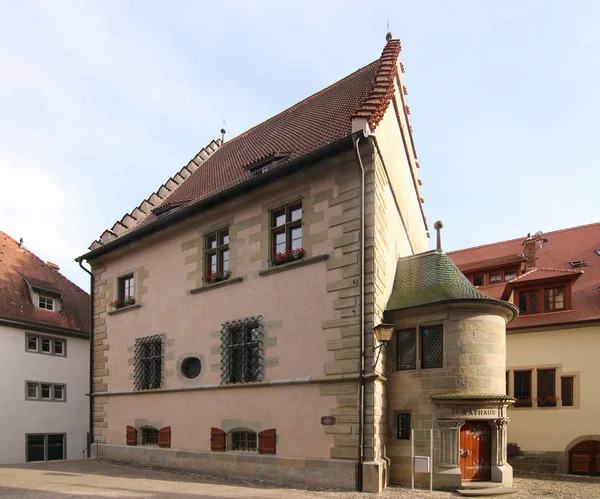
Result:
[
  {"x": 552, "y": 260},
  {"x": 17, "y": 266},
  {"x": 315, "y": 122}
]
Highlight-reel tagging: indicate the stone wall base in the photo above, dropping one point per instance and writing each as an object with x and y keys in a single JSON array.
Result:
[
  {"x": 333, "y": 473},
  {"x": 541, "y": 462}
]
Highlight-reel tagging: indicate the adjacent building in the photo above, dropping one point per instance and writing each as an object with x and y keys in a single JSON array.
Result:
[
  {"x": 552, "y": 363},
  {"x": 235, "y": 308},
  {"x": 44, "y": 359}
]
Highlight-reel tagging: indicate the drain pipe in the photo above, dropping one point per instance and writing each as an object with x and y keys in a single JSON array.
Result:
[
  {"x": 361, "y": 307},
  {"x": 91, "y": 439}
]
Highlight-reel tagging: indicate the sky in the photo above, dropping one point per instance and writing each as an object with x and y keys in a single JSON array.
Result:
[{"x": 102, "y": 101}]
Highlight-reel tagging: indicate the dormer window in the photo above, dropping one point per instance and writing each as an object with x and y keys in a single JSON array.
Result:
[
  {"x": 46, "y": 303},
  {"x": 554, "y": 299}
]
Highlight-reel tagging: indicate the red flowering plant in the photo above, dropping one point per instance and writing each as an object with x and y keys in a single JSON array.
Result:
[
  {"x": 288, "y": 256},
  {"x": 547, "y": 401},
  {"x": 523, "y": 402},
  {"x": 122, "y": 302},
  {"x": 213, "y": 277}
]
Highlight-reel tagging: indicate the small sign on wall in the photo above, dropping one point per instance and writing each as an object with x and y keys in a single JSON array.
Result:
[
  {"x": 328, "y": 420},
  {"x": 421, "y": 464},
  {"x": 477, "y": 413}
]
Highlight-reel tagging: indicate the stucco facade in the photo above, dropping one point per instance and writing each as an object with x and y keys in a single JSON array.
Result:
[
  {"x": 571, "y": 351},
  {"x": 25, "y": 416}
]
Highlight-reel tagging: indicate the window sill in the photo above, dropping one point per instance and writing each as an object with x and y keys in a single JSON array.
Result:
[
  {"x": 124, "y": 309},
  {"x": 292, "y": 265},
  {"x": 216, "y": 285}
]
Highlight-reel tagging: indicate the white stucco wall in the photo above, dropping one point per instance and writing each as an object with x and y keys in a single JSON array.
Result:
[{"x": 19, "y": 416}]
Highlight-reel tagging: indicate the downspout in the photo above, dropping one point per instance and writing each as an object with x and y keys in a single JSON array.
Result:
[
  {"x": 361, "y": 308},
  {"x": 91, "y": 439}
]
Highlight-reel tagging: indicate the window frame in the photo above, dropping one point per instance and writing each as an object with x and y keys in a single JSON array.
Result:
[
  {"x": 143, "y": 362},
  {"x": 145, "y": 438},
  {"x": 403, "y": 433},
  {"x": 251, "y": 351},
  {"x": 219, "y": 250},
  {"x": 526, "y": 400},
  {"x": 554, "y": 290},
  {"x": 541, "y": 398},
  {"x": 41, "y": 340},
  {"x": 250, "y": 440},
  {"x": 541, "y": 291},
  {"x": 287, "y": 226},
  {"x": 48, "y": 302},
  {"x": 418, "y": 361},
  {"x": 126, "y": 286},
  {"x": 563, "y": 378},
  {"x": 45, "y": 435},
  {"x": 39, "y": 387}
]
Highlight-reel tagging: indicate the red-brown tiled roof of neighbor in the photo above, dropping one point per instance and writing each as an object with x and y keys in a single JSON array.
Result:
[
  {"x": 492, "y": 262},
  {"x": 552, "y": 261},
  {"x": 493, "y": 290},
  {"x": 537, "y": 274},
  {"x": 17, "y": 265}
]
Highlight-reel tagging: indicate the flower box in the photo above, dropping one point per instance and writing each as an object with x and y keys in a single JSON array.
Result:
[
  {"x": 547, "y": 401},
  {"x": 523, "y": 402},
  {"x": 288, "y": 256},
  {"x": 214, "y": 277},
  {"x": 122, "y": 302}
]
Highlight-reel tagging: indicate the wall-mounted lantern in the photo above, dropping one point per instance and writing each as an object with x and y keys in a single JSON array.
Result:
[{"x": 383, "y": 333}]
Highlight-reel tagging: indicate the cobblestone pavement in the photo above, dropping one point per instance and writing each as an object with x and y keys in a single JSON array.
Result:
[{"x": 99, "y": 478}]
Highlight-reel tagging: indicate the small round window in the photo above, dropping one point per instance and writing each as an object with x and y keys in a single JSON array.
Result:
[{"x": 191, "y": 367}]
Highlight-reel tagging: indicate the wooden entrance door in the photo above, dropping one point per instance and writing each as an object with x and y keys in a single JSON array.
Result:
[
  {"x": 584, "y": 458},
  {"x": 476, "y": 451}
]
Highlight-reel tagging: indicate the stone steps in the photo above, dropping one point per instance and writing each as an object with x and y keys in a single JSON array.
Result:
[
  {"x": 486, "y": 491},
  {"x": 481, "y": 485}
]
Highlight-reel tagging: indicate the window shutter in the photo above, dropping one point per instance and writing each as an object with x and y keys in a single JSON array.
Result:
[
  {"x": 131, "y": 435},
  {"x": 217, "y": 439},
  {"x": 164, "y": 437},
  {"x": 267, "y": 442}
]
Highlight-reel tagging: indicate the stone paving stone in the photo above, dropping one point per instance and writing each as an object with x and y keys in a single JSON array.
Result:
[{"x": 100, "y": 478}]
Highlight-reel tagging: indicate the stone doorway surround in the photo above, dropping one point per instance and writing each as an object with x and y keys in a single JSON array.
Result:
[{"x": 450, "y": 413}]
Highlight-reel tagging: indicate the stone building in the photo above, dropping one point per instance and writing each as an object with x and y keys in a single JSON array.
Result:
[
  {"x": 552, "y": 368},
  {"x": 234, "y": 309},
  {"x": 44, "y": 359}
]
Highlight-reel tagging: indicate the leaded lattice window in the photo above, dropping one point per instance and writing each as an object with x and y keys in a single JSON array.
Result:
[
  {"x": 243, "y": 440},
  {"x": 241, "y": 351},
  {"x": 407, "y": 349},
  {"x": 148, "y": 362},
  {"x": 431, "y": 347}
]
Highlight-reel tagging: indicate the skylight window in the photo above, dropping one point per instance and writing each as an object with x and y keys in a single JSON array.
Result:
[
  {"x": 577, "y": 264},
  {"x": 598, "y": 252}
]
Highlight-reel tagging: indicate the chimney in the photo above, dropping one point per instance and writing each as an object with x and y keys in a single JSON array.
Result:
[
  {"x": 529, "y": 252},
  {"x": 53, "y": 266}
]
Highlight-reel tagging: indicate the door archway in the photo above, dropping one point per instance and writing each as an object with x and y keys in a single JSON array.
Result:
[{"x": 584, "y": 458}]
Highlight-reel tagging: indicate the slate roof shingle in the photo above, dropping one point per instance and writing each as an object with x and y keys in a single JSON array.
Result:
[
  {"x": 16, "y": 265},
  {"x": 429, "y": 278}
]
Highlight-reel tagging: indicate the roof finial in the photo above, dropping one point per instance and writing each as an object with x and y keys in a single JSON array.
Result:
[
  {"x": 223, "y": 135},
  {"x": 438, "y": 227},
  {"x": 21, "y": 243},
  {"x": 388, "y": 37}
]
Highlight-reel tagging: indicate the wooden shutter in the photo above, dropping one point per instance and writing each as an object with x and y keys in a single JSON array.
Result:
[
  {"x": 217, "y": 439},
  {"x": 580, "y": 463},
  {"x": 164, "y": 437},
  {"x": 131, "y": 435},
  {"x": 267, "y": 442}
]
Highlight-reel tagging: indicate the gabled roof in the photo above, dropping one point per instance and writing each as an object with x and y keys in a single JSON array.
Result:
[
  {"x": 430, "y": 278},
  {"x": 552, "y": 261},
  {"x": 305, "y": 128},
  {"x": 20, "y": 268}
]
